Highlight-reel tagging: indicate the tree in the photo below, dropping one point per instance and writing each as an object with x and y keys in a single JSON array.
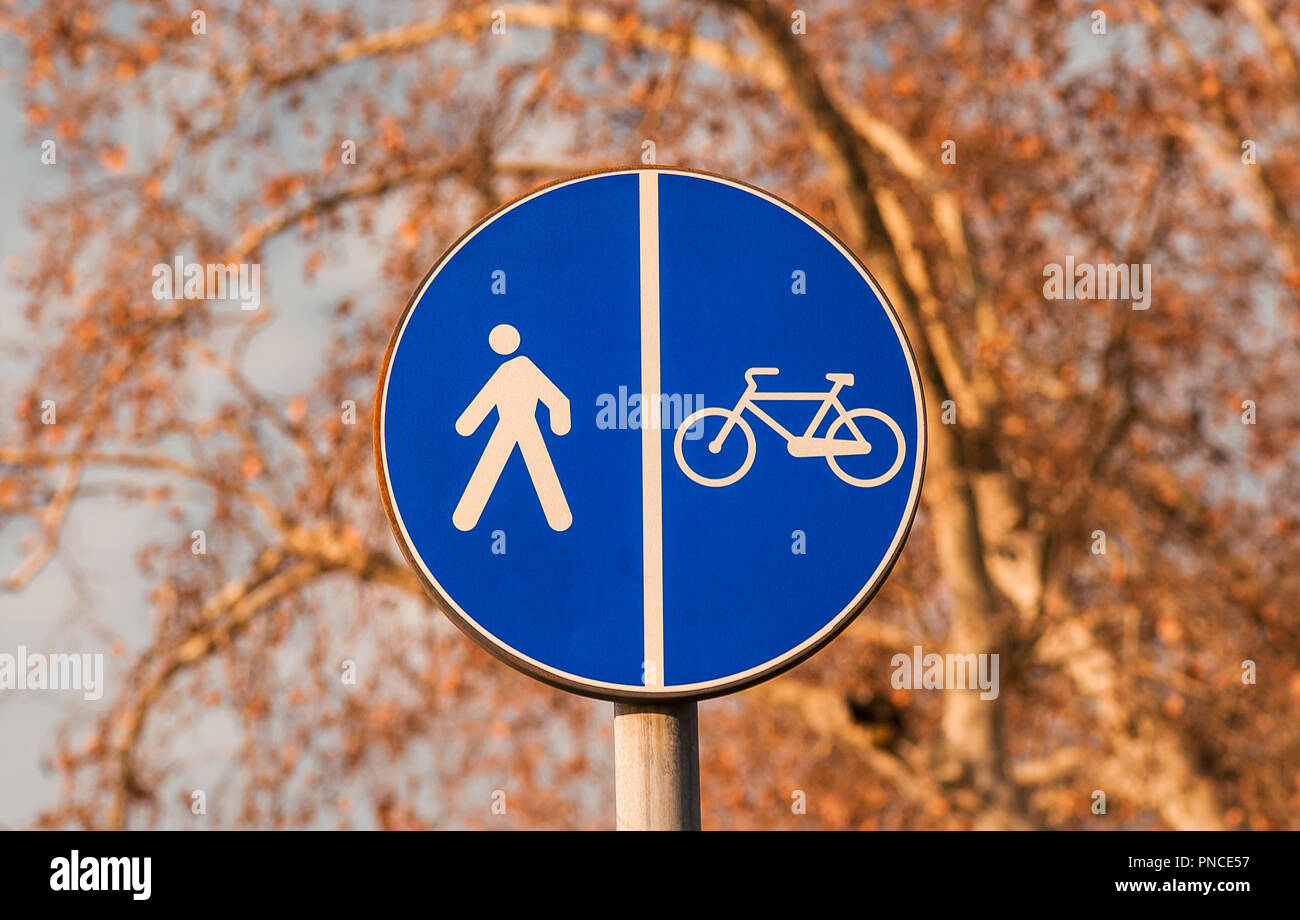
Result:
[{"x": 962, "y": 150}]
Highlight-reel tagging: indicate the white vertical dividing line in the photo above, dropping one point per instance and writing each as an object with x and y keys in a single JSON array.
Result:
[{"x": 652, "y": 523}]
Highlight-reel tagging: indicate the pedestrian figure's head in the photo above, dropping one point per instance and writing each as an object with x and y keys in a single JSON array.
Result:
[{"x": 504, "y": 339}]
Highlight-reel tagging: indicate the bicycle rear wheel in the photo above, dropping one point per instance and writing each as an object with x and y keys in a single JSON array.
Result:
[{"x": 698, "y": 418}]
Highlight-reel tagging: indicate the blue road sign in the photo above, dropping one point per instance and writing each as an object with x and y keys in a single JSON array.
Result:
[{"x": 650, "y": 434}]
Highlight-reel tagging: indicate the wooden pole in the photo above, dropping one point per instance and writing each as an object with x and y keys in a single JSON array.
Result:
[{"x": 657, "y": 766}]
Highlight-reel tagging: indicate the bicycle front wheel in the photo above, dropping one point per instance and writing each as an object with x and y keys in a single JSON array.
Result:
[
  {"x": 900, "y": 447},
  {"x": 698, "y": 418}
]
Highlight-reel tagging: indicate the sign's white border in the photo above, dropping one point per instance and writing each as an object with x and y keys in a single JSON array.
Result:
[{"x": 604, "y": 689}]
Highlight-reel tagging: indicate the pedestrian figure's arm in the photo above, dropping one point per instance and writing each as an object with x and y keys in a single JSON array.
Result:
[
  {"x": 560, "y": 421},
  {"x": 477, "y": 410},
  {"x": 557, "y": 404}
]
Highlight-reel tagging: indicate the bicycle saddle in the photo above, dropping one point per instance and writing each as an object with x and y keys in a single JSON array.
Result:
[{"x": 846, "y": 379}]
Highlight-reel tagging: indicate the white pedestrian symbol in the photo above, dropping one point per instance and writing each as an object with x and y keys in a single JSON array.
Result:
[
  {"x": 514, "y": 391},
  {"x": 809, "y": 444}
]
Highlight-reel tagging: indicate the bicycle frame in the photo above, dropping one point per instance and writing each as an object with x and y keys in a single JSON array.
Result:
[{"x": 751, "y": 395}]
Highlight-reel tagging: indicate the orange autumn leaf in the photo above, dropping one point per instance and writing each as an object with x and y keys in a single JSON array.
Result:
[
  {"x": 113, "y": 158},
  {"x": 391, "y": 136}
]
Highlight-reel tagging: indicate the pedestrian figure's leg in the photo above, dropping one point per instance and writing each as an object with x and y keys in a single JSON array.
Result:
[
  {"x": 484, "y": 479},
  {"x": 545, "y": 480}
]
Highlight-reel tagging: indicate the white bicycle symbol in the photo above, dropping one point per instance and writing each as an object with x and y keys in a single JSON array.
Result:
[{"x": 805, "y": 445}]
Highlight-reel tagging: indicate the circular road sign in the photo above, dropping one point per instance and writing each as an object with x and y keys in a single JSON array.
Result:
[{"x": 650, "y": 433}]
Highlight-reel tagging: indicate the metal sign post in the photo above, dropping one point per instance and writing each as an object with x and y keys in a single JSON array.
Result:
[
  {"x": 657, "y": 766},
  {"x": 650, "y": 435}
]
